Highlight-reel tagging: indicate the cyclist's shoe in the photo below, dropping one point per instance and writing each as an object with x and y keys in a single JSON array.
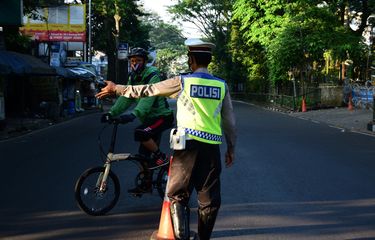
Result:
[
  {"x": 159, "y": 161},
  {"x": 138, "y": 191}
]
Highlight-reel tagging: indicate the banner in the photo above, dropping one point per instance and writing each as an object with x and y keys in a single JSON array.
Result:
[{"x": 58, "y": 24}]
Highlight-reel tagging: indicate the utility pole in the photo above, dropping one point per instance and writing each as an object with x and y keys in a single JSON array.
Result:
[
  {"x": 117, "y": 35},
  {"x": 371, "y": 24},
  {"x": 89, "y": 40}
]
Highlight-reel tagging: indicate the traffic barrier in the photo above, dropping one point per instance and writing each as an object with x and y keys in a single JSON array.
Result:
[
  {"x": 350, "y": 104},
  {"x": 165, "y": 231},
  {"x": 303, "y": 105}
]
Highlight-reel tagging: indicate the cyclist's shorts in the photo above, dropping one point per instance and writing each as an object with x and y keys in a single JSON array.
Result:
[{"x": 153, "y": 128}]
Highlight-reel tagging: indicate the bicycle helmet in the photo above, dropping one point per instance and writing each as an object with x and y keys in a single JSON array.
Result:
[{"x": 138, "y": 52}]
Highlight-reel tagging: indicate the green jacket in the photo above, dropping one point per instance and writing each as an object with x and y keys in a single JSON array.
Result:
[{"x": 146, "y": 108}]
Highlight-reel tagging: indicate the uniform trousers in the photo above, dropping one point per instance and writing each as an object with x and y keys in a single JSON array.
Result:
[{"x": 197, "y": 167}]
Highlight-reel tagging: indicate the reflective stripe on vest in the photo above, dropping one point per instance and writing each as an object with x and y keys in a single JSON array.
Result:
[{"x": 199, "y": 107}]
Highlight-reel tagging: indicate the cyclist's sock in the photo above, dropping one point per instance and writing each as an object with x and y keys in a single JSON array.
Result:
[
  {"x": 160, "y": 159},
  {"x": 157, "y": 153}
]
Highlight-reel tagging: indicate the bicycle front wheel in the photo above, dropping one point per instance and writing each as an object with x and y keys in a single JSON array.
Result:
[{"x": 90, "y": 198}]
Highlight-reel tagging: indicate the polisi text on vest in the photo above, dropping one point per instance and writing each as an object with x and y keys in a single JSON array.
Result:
[{"x": 201, "y": 91}]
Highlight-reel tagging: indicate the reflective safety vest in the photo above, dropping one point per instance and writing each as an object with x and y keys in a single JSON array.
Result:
[{"x": 199, "y": 107}]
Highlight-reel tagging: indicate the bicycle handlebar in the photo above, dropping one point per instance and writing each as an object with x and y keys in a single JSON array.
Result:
[{"x": 117, "y": 120}]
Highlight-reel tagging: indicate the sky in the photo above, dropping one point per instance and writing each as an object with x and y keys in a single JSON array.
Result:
[{"x": 159, "y": 6}]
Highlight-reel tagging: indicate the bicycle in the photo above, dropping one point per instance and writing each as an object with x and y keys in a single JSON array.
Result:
[{"x": 97, "y": 190}]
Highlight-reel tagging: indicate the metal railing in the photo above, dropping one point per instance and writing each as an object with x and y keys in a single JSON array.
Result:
[{"x": 292, "y": 103}]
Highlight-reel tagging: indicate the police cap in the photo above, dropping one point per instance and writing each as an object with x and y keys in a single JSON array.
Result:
[{"x": 199, "y": 46}]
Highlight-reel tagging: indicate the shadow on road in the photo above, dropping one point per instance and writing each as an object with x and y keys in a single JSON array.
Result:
[
  {"x": 298, "y": 220},
  {"x": 77, "y": 225}
]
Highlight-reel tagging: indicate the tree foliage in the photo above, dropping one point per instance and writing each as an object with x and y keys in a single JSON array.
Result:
[
  {"x": 104, "y": 32},
  {"x": 295, "y": 34},
  {"x": 213, "y": 19},
  {"x": 167, "y": 40},
  {"x": 209, "y": 16}
]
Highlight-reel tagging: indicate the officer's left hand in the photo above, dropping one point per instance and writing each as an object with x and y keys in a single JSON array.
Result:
[{"x": 229, "y": 157}]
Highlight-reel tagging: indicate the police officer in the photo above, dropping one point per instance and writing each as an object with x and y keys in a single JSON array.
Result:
[{"x": 204, "y": 108}]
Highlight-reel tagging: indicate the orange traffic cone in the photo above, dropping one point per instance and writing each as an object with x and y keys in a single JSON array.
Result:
[
  {"x": 165, "y": 231},
  {"x": 350, "y": 104},
  {"x": 303, "y": 105}
]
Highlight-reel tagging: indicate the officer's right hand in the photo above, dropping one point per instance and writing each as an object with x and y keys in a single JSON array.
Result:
[
  {"x": 106, "y": 117},
  {"x": 108, "y": 90}
]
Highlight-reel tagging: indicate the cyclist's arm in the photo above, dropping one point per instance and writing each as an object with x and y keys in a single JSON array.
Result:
[
  {"x": 121, "y": 105},
  {"x": 168, "y": 88},
  {"x": 144, "y": 105}
]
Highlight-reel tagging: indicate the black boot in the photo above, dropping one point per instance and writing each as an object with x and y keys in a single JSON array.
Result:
[
  {"x": 206, "y": 222},
  {"x": 180, "y": 215}
]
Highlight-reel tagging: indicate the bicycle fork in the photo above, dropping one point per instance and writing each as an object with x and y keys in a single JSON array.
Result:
[{"x": 102, "y": 180}]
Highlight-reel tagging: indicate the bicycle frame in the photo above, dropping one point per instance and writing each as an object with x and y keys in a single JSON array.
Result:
[
  {"x": 97, "y": 189},
  {"x": 112, "y": 157}
]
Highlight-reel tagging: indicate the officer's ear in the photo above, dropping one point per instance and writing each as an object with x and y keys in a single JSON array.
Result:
[{"x": 192, "y": 59}]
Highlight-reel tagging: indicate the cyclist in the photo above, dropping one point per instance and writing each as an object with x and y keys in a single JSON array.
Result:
[{"x": 154, "y": 114}]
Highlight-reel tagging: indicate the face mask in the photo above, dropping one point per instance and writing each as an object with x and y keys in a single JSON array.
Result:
[{"x": 137, "y": 68}]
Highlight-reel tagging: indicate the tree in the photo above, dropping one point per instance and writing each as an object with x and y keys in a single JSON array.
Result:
[
  {"x": 162, "y": 34},
  {"x": 247, "y": 63},
  {"x": 295, "y": 34},
  {"x": 167, "y": 40},
  {"x": 259, "y": 22},
  {"x": 104, "y": 30},
  {"x": 212, "y": 18}
]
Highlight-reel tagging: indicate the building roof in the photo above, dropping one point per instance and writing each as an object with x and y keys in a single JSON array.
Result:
[{"x": 22, "y": 64}]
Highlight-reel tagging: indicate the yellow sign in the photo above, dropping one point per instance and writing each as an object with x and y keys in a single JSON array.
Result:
[{"x": 63, "y": 23}]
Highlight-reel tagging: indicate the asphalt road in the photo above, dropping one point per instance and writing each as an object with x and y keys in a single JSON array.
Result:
[{"x": 292, "y": 179}]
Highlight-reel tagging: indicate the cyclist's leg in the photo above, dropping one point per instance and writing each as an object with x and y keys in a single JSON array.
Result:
[
  {"x": 149, "y": 134},
  {"x": 146, "y": 183}
]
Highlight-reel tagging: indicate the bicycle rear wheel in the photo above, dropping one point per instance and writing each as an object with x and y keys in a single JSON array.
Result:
[
  {"x": 88, "y": 195},
  {"x": 161, "y": 181}
]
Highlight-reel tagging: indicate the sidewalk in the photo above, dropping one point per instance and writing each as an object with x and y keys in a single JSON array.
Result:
[
  {"x": 20, "y": 126},
  {"x": 351, "y": 120}
]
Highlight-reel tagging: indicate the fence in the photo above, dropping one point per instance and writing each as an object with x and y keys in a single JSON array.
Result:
[
  {"x": 312, "y": 98},
  {"x": 362, "y": 95}
]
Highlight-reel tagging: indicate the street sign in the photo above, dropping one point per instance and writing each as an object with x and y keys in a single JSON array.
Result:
[{"x": 122, "y": 52}]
